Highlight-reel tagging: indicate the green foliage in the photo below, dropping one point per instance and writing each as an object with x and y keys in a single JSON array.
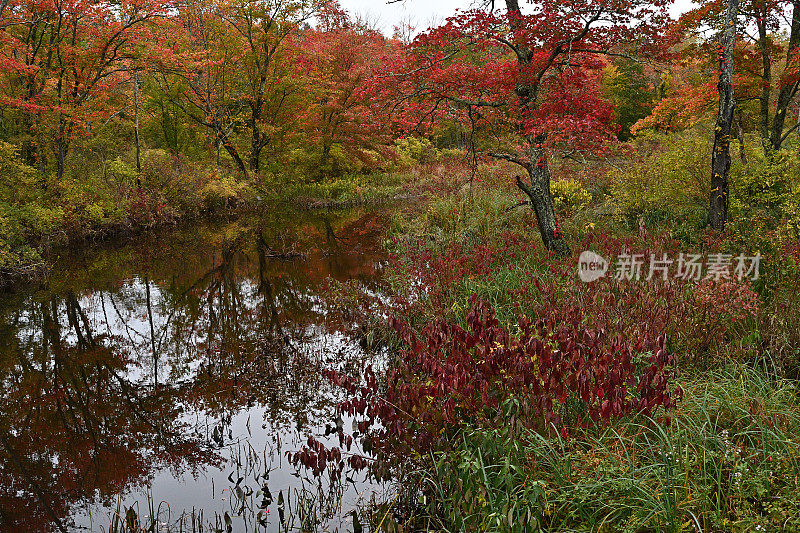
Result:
[
  {"x": 90, "y": 202},
  {"x": 16, "y": 256},
  {"x": 122, "y": 171},
  {"x": 668, "y": 183},
  {"x": 178, "y": 182},
  {"x": 791, "y": 210},
  {"x": 22, "y": 215},
  {"x": 569, "y": 195},
  {"x": 39, "y": 220},
  {"x": 20, "y": 183},
  {"x": 224, "y": 191},
  {"x": 483, "y": 484},
  {"x": 313, "y": 165},
  {"x": 479, "y": 214},
  {"x": 411, "y": 150},
  {"x": 625, "y": 85},
  {"x": 342, "y": 191},
  {"x": 766, "y": 184},
  {"x": 764, "y": 199}
]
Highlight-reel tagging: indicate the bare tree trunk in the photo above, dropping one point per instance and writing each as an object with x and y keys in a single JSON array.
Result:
[
  {"x": 136, "y": 130},
  {"x": 766, "y": 80},
  {"x": 256, "y": 141},
  {"x": 721, "y": 155},
  {"x": 789, "y": 90}
]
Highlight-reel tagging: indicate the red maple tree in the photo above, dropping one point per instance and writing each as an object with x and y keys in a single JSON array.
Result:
[{"x": 526, "y": 82}]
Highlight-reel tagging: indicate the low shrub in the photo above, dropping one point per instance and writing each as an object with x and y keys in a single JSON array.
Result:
[
  {"x": 569, "y": 195},
  {"x": 666, "y": 181},
  {"x": 224, "y": 192},
  {"x": 563, "y": 376},
  {"x": 17, "y": 257},
  {"x": 415, "y": 150}
]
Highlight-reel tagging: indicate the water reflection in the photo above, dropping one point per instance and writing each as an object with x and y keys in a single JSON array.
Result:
[{"x": 179, "y": 370}]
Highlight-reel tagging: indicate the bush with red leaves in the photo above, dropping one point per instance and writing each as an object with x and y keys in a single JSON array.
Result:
[{"x": 562, "y": 375}]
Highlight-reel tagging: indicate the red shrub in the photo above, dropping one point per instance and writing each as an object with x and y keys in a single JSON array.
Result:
[{"x": 561, "y": 374}]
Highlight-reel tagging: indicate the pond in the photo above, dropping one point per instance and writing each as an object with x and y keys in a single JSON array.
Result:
[{"x": 162, "y": 381}]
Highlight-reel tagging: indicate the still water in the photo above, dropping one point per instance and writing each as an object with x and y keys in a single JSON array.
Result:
[{"x": 160, "y": 383}]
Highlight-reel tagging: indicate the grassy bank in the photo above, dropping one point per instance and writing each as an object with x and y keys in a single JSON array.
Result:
[
  {"x": 523, "y": 399},
  {"x": 727, "y": 461}
]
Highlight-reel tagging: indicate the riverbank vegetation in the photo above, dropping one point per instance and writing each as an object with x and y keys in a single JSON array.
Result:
[
  {"x": 526, "y": 436},
  {"x": 516, "y": 394}
]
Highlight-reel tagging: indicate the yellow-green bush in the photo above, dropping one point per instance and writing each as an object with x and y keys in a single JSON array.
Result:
[
  {"x": 22, "y": 197},
  {"x": 569, "y": 194},
  {"x": 89, "y": 202},
  {"x": 16, "y": 257},
  {"x": 311, "y": 165},
  {"x": 791, "y": 212},
  {"x": 669, "y": 179},
  {"x": 224, "y": 191},
  {"x": 20, "y": 183},
  {"x": 765, "y": 196},
  {"x": 765, "y": 183},
  {"x": 122, "y": 171},
  {"x": 40, "y": 220},
  {"x": 411, "y": 150}
]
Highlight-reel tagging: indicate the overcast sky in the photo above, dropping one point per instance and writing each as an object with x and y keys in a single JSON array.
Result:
[{"x": 425, "y": 13}]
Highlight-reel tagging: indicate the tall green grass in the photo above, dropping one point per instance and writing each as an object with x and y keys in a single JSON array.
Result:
[{"x": 727, "y": 460}]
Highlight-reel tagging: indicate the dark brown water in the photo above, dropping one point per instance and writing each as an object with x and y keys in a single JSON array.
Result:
[{"x": 160, "y": 383}]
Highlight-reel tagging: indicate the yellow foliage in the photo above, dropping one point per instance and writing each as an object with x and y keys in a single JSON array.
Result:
[{"x": 569, "y": 194}]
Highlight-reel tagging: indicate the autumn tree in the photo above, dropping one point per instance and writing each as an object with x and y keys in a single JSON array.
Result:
[
  {"x": 628, "y": 87},
  {"x": 529, "y": 78},
  {"x": 62, "y": 62},
  {"x": 340, "y": 59},
  {"x": 263, "y": 29},
  {"x": 233, "y": 73},
  {"x": 200, "y": 77},
  {"x": 769, "y": 63}
]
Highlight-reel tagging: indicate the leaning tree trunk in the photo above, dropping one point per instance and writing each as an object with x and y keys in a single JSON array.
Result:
[
  {"x": 223, "y": 140},
  {"x": 538, "y": 191},
  {"x": 721, "y": 155},
  {"x": 538, "y": 166}
]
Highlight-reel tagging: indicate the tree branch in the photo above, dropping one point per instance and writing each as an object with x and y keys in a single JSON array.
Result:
[{"x": 512, "y": 158}]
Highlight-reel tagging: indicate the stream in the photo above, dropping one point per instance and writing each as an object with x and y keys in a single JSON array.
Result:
[{"x": 159, "y": 383}]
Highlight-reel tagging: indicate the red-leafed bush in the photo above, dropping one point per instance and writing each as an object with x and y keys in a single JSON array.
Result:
[
  {"x": 721, "y": 309},
  {"x": 561, "y": 374}
]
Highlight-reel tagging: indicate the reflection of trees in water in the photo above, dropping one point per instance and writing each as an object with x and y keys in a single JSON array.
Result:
[
  {"x": 95, "y": 380},
  {"x": 72, "y": 423}
]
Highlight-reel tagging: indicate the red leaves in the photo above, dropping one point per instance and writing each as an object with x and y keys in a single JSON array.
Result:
[
  {"x": 526, "y": 73},
  {"x": 561, "y": 373}
]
